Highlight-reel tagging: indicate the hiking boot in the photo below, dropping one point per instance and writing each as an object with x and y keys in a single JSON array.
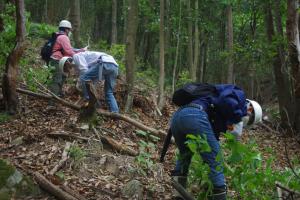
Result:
[{"x": 218, "y": 193}]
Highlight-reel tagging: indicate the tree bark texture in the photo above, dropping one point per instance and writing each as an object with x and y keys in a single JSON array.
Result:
[
  {"x": 293, "y": 49},
  {"x": 197, "y": 44},
  {"x": 283, "y": 91},
  {"x": 114, "y": 22},
  {"x": 190, "y": 42},
  {"x": 132, "y": 24},
  {"x": 9, "y": 80},
  {"x": 177, "y": 50},
  {"x": 230, "y": 44},
  {"x": 161, "y": 81},
  {"x": 75, "y": 19}
]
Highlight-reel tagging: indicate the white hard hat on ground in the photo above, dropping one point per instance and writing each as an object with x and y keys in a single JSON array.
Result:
[
  {"x": 65, "y": 24},
  {"x": 254, "y": 113},
  {"x": 62, "y": 62}
]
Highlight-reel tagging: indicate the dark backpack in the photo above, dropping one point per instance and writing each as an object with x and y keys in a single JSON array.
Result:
[
  {"x": 192, "y": 91},
  {"x": 46, "y": 50}
]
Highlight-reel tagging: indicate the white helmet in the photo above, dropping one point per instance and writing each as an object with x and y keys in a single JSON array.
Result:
[
  {"x": 254, "y": 113},
  {"x": 62, "y": 62},
  {"x": 65, "y": 24}
]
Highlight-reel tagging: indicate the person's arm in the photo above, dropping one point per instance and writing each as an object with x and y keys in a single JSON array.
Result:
[
  {"x": 236, "y": 129},
  {"x": 65, "y": 43}
]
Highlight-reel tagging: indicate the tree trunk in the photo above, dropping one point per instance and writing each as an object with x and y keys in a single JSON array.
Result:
[
  {"x": 75, "y": 19},
  {"x": 132, "y": 23},
  {"x": 161, "y": 57},
  {"x": 197, "y": 44},
  {"x": 9, "y": 81},
  {"x": 202, "y": 61},
  {"x": 114, "y": 22},
  {"x": 190, "y": 42},
  {"x": 177, "y": 50},
  {"x": 293, "y": 49},
  {"x": 230, "y": 44},
  {"x": 283, "y": 91}
]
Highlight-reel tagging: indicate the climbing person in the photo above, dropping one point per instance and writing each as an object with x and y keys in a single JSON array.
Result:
[
  {"x": 208, "y": 110},
  {"x": 97, "y": 66},
  {"x": 61, "y": 48}
]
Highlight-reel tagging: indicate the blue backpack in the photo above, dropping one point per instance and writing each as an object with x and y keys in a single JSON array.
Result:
[{"x": 228, "y": 101}]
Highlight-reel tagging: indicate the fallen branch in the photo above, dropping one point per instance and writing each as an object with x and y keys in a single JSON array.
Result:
[
  {"x": 64, "y": 158},
  {"x": 181, "y": 190},
  {"x": 282, "y": 187},
  {"x": 51, "y": 188},
  {"x": 137, "y": 124},
  {"x": 108, "y": 140},
  {"x": 72, "y": 192}
]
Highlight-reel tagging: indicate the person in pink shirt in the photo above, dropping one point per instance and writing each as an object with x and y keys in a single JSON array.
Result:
[{"x": 62, "y": 48}]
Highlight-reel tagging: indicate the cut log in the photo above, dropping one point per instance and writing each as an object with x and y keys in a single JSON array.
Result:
[
  {"x": 106, "y": 139},
  {"x": 51, "y": 188},
  {"x": 63, "y": 159}
]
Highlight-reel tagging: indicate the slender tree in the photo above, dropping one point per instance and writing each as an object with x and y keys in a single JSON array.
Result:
[
  {"x": 132, "y": 24},
  {"x": 197, "y": 43},
  {"x": 190, "y": 42},
  {"x": 293, "y": 49},
  {"x": 177, "y": 49},
  {"x": 114, "y": 22},
  {"x": 10, "y": 75},
  {"x": 230, "y": 43},
  {"x": 75, "y": 19},
  {"x": 161, "y": 57}
]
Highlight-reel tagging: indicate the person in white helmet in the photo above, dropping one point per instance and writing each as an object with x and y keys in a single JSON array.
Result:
[
  {"x": 213, "y": 110},
  {"x": 62, "y": 48}
]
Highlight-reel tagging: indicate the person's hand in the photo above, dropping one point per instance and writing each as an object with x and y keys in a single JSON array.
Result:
[{"x": 86, "y": 48}]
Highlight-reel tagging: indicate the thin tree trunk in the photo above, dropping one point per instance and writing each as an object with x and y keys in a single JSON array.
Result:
[
  {"x": 177, "y": 50},
  {"x": 293, "y": 48},
  {"x": 132, "y": 23},
  {"x": 230, "y": 44},
  {"x": 114, "y": 22},
  {"x": 283, "y": 91},
  {"x": 75, "y": 19},
  {"x": 161, "y": 57},
  {"x": 197, "y": 44},
  {"x": 10, "y": 76},
  {"x": 190, "y": 42}
]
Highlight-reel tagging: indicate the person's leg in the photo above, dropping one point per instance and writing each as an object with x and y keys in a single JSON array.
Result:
[
  {"x": 56, "y": 83},
  {"x": 193, "y": 121},
  {"x": 91, "y": 74},
  {"x": 110, "y": 73}
]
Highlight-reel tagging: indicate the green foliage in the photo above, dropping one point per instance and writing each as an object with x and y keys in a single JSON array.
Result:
[
  {"x": 183, "y": 78},
  {"x": 248, "y": 174},
  {"x": 77, "y": 154},
  {"x": 147, "y": 135},
  {"x": 8, "y": 35},
  {"x": 144, "y": 159},
  {"x": 4, "y": 117},
  {"x": 6, "y": 171},
  {"x": 40, "y": 74},
  {"x": 61, "y": 175},
  {"x": 118, "y": 52},
  {"x": 41, "y": 30}
]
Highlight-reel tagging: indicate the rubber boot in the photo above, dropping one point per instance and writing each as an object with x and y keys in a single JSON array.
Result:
[
  {"x": 219, "y": 193},
  {"x": 182, "y": 180}
]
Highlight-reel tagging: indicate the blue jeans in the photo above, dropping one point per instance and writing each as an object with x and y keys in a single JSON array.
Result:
[
  {"x": 109, "y": 72},
  {"x": 191, "y": 120}
]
